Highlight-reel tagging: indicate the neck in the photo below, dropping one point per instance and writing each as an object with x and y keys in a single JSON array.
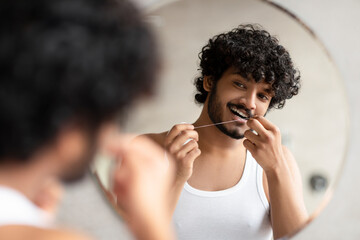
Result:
[{"x": 27, "y": 178}]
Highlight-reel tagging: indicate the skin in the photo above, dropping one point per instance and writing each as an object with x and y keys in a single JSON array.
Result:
[
  {"x": 220, "y": 163},
  {"x": 49, "y": 196},
  {"x": 16, "y": 232}
]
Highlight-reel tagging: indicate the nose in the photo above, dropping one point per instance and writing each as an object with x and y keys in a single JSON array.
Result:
[{"x": 250, "y": 100}]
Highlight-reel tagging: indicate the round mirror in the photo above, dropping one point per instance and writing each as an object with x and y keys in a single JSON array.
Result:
[{"x": 313, "y": 124}]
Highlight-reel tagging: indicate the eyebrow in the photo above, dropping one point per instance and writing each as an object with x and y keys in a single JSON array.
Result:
[
  {"x": 238, "y": 74},
  {"x": 269, "y": 91}
]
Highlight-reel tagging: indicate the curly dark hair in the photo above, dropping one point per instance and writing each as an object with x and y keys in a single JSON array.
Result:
[
  {"x": 253, "y": 51},
  {"x": 67, "y": 59}
]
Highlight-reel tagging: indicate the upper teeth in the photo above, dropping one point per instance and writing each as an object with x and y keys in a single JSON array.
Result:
[{"x": 238, "y": 112}]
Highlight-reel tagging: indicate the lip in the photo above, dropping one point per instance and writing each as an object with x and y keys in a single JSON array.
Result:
[
  {"x": 237, "y": 118},
  {"x": 239, "y": 111}
]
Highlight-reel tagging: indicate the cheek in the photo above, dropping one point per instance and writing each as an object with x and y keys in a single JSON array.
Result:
[
  {"x": 233, "y": 97},
  {"x": 78, "y": 148},
  {"x": 261, "y": 108}
]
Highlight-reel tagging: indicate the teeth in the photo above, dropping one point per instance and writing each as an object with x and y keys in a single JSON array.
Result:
[{"x": 241, "y": 114}]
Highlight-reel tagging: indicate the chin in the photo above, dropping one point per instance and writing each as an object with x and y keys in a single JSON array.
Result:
[
  {"x": 235, "y": 134},
  {"x": 239, "y": 137},
  {"x": 76, "y": 171}
]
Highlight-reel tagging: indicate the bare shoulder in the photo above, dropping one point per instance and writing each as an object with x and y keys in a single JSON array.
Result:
[
  {"x": 159, "y": 138},
  {"x": 19, "y": 232},
  {"x": 294, "y": 168},
  {"x": 288, "y": 155}
]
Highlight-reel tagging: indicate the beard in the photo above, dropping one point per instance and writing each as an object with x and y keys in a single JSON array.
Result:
[
  {"x": 215, "y": 114},
  {"x": 77, "y": 171}
]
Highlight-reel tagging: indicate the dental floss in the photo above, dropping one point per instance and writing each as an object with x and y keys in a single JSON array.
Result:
[
  {"x": 208, "y": 125},
  {"x": 203, "y": 126}
]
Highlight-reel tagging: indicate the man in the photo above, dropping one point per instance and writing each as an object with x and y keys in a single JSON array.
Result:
[
  {"x": 68, "y": 69},
  {"x": 235, "y": 180}
]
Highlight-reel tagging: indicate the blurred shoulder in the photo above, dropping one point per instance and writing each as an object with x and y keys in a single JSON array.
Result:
[
  {"x": 19, "y": 232},
  {"x": 159, "y": 138}
]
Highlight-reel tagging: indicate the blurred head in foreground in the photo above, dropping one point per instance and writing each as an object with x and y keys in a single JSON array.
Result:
[{"x": 67, "y": 68}]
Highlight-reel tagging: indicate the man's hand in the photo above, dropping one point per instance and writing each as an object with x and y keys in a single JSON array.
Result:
[
  {"x": 181, "y": 143},
  {"x": 142, "y": 182},
  {"x": 265, "y": 146}
]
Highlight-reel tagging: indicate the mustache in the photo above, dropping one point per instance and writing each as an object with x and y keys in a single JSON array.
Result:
[{"x": 241, "y": 107}]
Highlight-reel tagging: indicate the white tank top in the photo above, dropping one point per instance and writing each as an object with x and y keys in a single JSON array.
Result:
[
  {"x": 16, "y": 209},
  {"x": 239, "y": 212}
]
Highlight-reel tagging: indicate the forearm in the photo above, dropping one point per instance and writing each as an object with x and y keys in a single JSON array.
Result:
[
  {"x": 154, "y": 228},
  {"x": 288, "y": 212}
]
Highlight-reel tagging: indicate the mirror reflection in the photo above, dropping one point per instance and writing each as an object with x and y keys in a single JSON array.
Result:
[{"x": 252, "y": 114}]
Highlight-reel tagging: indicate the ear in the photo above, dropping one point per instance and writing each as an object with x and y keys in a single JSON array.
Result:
[{"x": 208, "y": 83}]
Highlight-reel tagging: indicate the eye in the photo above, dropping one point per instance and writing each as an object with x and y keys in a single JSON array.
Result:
[
  {"x": 263, "y": 97},
  {"x": 239, "y": 84}
]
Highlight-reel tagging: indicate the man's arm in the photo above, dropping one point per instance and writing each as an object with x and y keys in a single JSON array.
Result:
[
  {"x": 286, "y": 219},
  {"x": 288, "y": 212},
  {"x": 141, "y": 182}
]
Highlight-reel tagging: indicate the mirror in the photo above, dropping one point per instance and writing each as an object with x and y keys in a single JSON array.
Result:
[{"x": 313, "y": 124}]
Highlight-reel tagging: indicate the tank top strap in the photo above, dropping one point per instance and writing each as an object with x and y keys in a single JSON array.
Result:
[{"x": 258, "y": 170}]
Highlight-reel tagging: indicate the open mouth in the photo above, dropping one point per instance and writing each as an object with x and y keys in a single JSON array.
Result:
[{"x": 239, "y": 113}]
